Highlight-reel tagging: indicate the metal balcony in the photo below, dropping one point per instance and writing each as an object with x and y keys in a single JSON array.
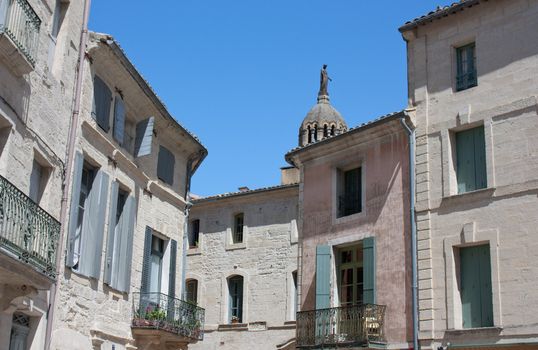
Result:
[
  {"x": 159, "y": 311},
  {"x": 348, "y": 326},
  {"x": 19, "y": 35},
  {"x": 27, "y": 232}
]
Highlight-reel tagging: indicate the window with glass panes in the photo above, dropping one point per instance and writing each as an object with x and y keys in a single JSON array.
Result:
[
  {"x": 350, "y": 281},
  {"x": 349, "y": 192},
  {"x": 194, "y": 236},
  {"x": 237, "y": 234},
  {"x": 88, "y": 175},
  {"x": 466, "y": 76},
  {"x": 235, "y": 289},
  {"x": 192, "y": 291}
]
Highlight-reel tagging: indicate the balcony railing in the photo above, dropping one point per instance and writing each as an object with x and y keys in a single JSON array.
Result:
[
  {"x": 26, "y": 230},
  {"x": 163, "y": 312},
  {"x": 358, "y": 325},
  {"x": 20, "y": 23}
]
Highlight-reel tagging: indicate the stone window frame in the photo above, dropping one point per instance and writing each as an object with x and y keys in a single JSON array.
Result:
[
  {"x": 225, "y": 295},
  {"x": 201, "y": 287},
  {"x": 344, "y": 166},
  {"x": 198, "y": 249},
  {"x": 458, "y": 42},
  {"x": 230, "y": 245},
  {"x": 470, "y": 236}
]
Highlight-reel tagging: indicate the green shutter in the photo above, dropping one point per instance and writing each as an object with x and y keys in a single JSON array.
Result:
[
  {"x": 471, "y": 160},
  {"x": 480, "y": 158},
  {"x": 368, "y": 252},
  {"x": 109, "y": 255},
  {"x": 73, "y": 214},
  {"x": 323, "y": 277},
  {"x": 475, "y": 279},
  {"x": 146, "y": 262}
]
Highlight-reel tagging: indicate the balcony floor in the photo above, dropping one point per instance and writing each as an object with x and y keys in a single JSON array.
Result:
[
  {"x": 17, "y": 272},
  {"x": 157, "y": 339}
]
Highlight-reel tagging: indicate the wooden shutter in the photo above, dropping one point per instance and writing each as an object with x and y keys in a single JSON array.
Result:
[
  {"x": 476, "y": 296},
  {"x": 172, "y": 275},
  {"x": 93, "y": 227},
  {"x": 126, "y": 251},
  {"x": 165, "y": 165},
  {"x": 480, "y": 158},
  {"x": 471, "y": 160},
  {"x": 102, "y": 96},
  {"x": 323, "y": 276},
  {"x": 368, "y": 255},
  {"x": 73, "y": 214},
  {"x": 109, "y": 255},
  {"x": 146, "y": 262},
  {"x": 119, "y": 120},
  {"x": 144, "y": 137},
  {"x": 3, "y": 12}
]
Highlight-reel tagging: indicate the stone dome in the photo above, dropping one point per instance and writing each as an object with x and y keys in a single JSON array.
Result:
[{"x": 322, "y": 121}]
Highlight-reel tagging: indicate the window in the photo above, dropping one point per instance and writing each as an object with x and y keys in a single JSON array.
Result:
[
  {"x": 38, "y": 179},
  {"x": 294, "y": 295},
  {"x": 349, "y": 188},
  {"x": 237, "y": 234},
  {"x": 88, "y": 174},
  {"x": 192, "y": 291},
  {"x": 333, "y": 130},
  {"x": 157, "y": 253},
  {"x": 471, "y": 160},
  {"x": 165, "y": 165},
  {"x": 20, "y": 327},
  {"x": 325, "y": 130},
  {"x": 466, "y": 76},
  {"x": 57, "y": 19},
  {"x": 350, "y": 271},
  {"x": 102, "y": 97},
  {"x": 475, "y": 287},
  {"x": 119, "y": 120},
  {"x": 309, "y": 134},
  {"x": 194, "y": 234},
  {"x": 235, "y": 289}
]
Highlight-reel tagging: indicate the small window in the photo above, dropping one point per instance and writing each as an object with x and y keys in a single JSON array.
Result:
[
  {"x": 102, "y": 98},
  {"x": 192, "y": 291},
  {"x": 237, "y": 234},
  {"x": 165, "y": 165},
  {"x": 466, "y": 76},
  {"x": 349, "y": 185},
  {"x": 235, "y": 289},
  {"x": 475, "y": 287},
  {"x": 471, "y": 160},
  {"x": 194, "y": 234},
  {"x": 38, "y": 180}
]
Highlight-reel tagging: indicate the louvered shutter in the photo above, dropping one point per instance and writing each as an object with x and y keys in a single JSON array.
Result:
[
  {"x": 73, "y": 214},
  {"x": 102, "y": 96},
  {"x": 368, "y": 256},
  {"x": 165, "y": 165},
  {"x": 172, "y": 275},
  {"x": 146, "y": 262},
  {"x": 480, "y": 158},
  {"x": 323, "y": 276},
  {"x": 109, "y": 255},
  {"x": 144, "y": 137},
  {"x": 465, "y": 163},
  {"x": 126, "y": 251},
  {"x": 119, "y": 119},
  {"x": 93, "y": 227}
]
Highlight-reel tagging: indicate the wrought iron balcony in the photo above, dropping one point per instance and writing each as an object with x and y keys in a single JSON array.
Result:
[
  {"x": 359, "y": 325},
  {"x": 162, "y": 312},
  {"x": 26, "y": 230},
  {"x": 20, "y": 24}
]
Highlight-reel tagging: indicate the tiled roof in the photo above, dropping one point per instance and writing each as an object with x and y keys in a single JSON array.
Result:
[
  {"x": 242, "y": 193},
  {"x": 439, "y": 12}
]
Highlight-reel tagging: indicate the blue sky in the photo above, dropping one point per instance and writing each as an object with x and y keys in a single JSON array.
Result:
[{"x": 242, "y": 74}]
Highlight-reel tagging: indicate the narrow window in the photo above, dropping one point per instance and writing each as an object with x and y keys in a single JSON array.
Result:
[
  {"x": 20, "y": 328},
  {"x": 37, "y": 181},
  {"x": 102, "y": 97},
  {"x": 237, "y": 234},
  {"x": 349, "y": 192},
  {"x": 194, "y": 235},
  {"x": 192, "y": 291},
  {"x": 157, "y": 253},
  {"x": 309, "y": 134},
  {"x": 235, "y": 289},
  {"x": 325, "y": 130},
  {"x": 333, "y": 130},
  {"x": 88, "y": 175},
  {"x": 471, "y": 160},
  {"x": 315, "y": 136},
  {"x": 475, "y": 287},
  {"x": 466, "y": 76},
  {"x": 294, "y": 294}
]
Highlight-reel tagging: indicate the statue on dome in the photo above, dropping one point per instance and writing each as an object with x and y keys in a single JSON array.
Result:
[{"x": 324, "y": 81}]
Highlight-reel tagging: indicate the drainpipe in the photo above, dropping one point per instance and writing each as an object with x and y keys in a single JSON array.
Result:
[
  {"x": 411, "y": 136},
  {"x": 69, "y": 165}
]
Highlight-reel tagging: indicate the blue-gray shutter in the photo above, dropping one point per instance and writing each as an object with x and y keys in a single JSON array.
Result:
[
  {"x": 126, "y": 251},
  {"x": 3, "y": 14},
  {"x": 368, "y": 259},
  {"x": 323, "y": 277},
  {"x": 102, "y": 96},
  {"x": 73, "y": 214},
  {"x": 109, "y": 255},
  {"x": 172, "y": 275},
  {"x": 144, "y": 137},
  {"x": 165, "y": 165},
  {"x": 146, "y": 262},
  {"x": 93, "y": 227},
  {"x": 119, "y": 119}
]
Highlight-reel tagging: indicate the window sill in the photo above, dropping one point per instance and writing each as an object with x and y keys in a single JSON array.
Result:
[
  {"x": 472, "y": 331},
  {"x": 236, "y": 246},
  {"x": 465, "y": 196},
  {"x": 348, "y": 218},
  {"x": 194, "y": 251},
  {"x": 233, "y": 327}
]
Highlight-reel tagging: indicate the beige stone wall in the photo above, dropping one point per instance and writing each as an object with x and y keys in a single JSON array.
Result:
[
  {"x": 504, "y": 214},
  {"x": 266, "y": 261}
]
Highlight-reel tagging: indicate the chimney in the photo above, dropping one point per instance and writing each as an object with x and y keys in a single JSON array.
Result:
[
  {"x": 289, "y": 175},
  {"x": 244, "y": 189}
]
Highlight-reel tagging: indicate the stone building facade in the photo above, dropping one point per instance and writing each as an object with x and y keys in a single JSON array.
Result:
[
  {"x": 473, "y": 80},
  {"x": 120, "y": 284},
  {"x": 241, "y": 266},
  {"x": 39, "y": 41}
]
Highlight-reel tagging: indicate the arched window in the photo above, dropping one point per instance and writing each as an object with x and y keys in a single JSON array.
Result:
[
  {"x": 235, "y": 290},
  {"x": 309, "y": 134},
  {"x": 333, "y": 130},
  {"x": 325, "y": 130},
  {"x": 315, "y": 132},
  {"x": 192, "y": 291}
]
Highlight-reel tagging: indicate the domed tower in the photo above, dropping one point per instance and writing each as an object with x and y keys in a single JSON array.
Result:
[{"x": 322, "y": 120}]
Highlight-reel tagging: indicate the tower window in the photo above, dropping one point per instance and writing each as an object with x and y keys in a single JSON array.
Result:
[
  {"x": 309, "y": 134},
  {"x": 325, "y": 130},
  {"x": 333, "y": 129}
]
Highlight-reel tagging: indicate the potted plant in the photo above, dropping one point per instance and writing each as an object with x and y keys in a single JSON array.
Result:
[{"x": 235, "y": 319}]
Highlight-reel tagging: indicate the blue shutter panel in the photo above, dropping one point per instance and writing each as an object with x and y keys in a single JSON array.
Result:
[
  {"x": 165, "y": 165},
  {"x": 172, "y": 275},
  {"x": 102, "y": 96},
  {"x": 126, "y": 251},
  {"x": 73, "y": 214},
  {"x": 109, "y": 256},
  {"x": 323, "y": 276},
  {"x": 144, "y": 137},
  {"x": 119, "y": 120},
  {"x": 368, "y": 251},
  {"x": 146, "y": 262}
]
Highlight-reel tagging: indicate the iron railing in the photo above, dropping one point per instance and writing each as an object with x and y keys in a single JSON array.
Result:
[
  {"x": 357, "y": 325},
  {"x": 20, "y": 23},
  {"x": 160, "y": 311},
  {"x": 466, "y": 80},
  {"x": 26, "y": 230}
]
